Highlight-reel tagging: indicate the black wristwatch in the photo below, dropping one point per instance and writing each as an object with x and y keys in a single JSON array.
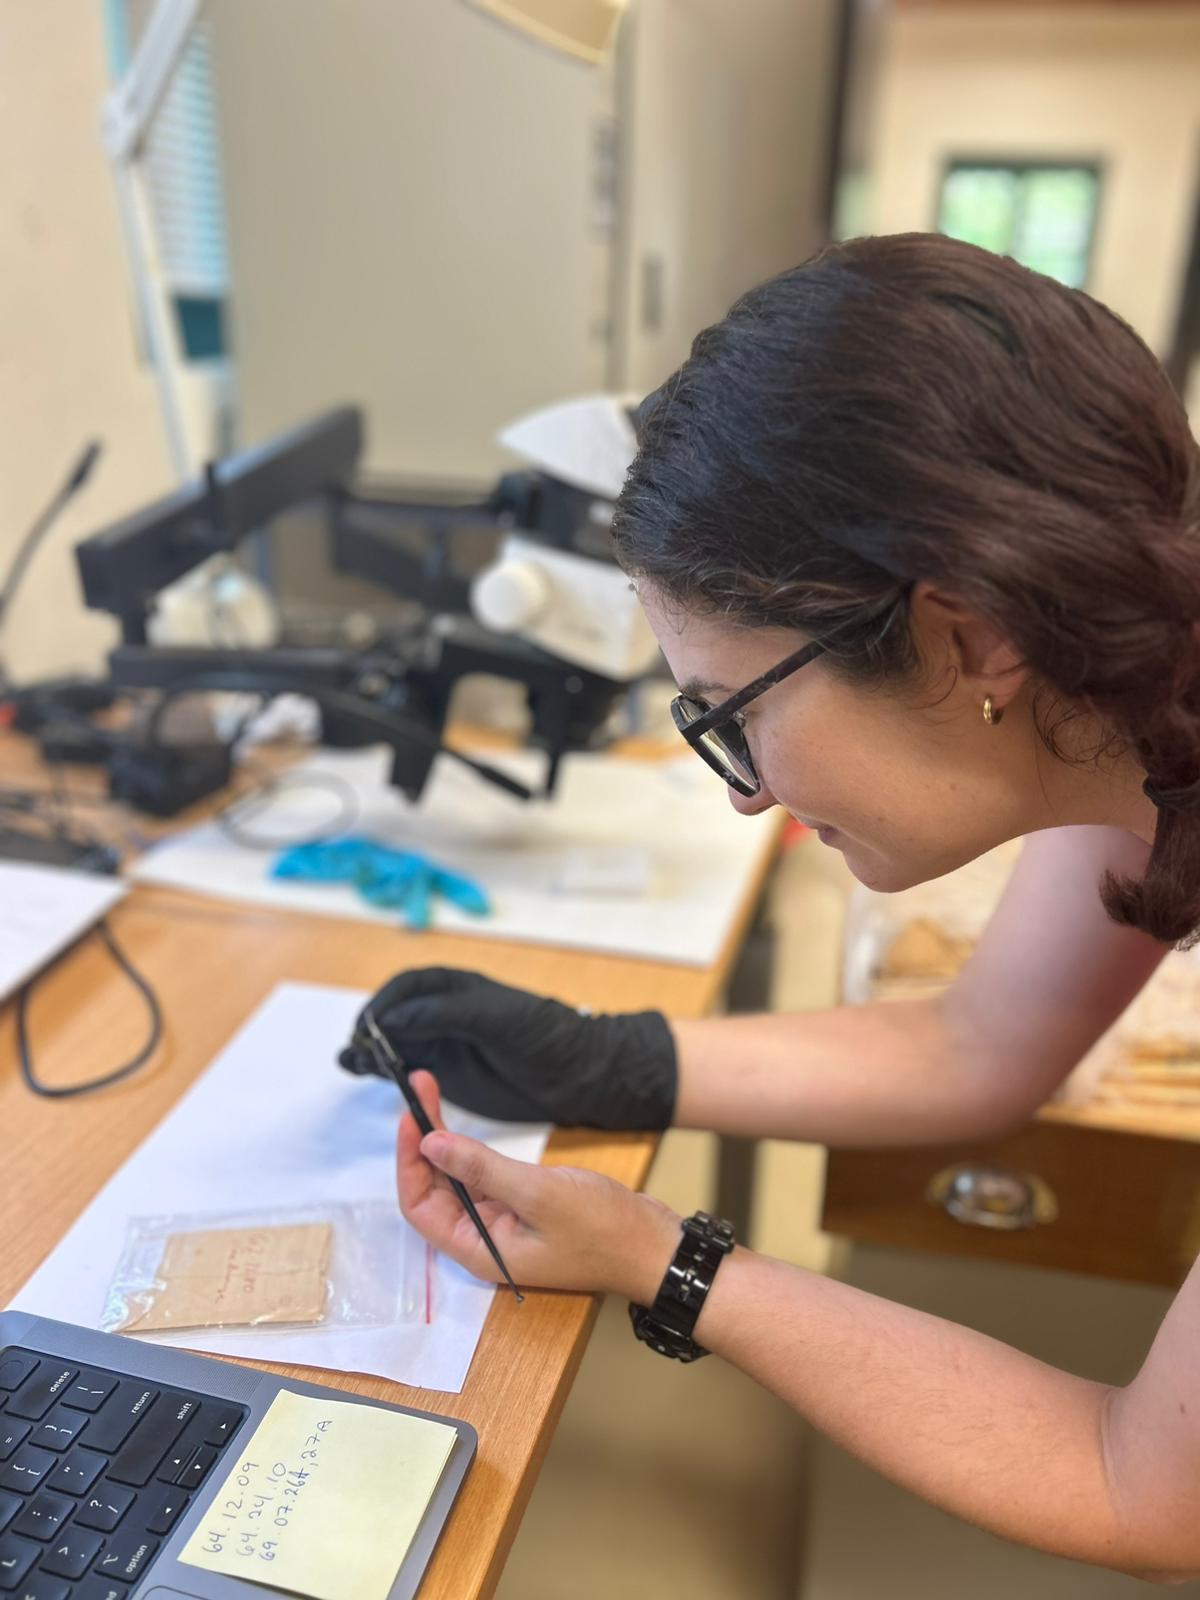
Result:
[{"x": 667, "y": 1325}]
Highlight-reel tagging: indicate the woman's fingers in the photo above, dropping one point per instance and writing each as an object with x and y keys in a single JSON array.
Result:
[
  {"x": 429, "y": 1095},
  {"x": 485, "y": 1172},
  {"x": 415, "y": 1178}
]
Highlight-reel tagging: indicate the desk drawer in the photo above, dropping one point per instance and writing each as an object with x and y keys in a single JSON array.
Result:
[{"x": 1127, "y": 1206}]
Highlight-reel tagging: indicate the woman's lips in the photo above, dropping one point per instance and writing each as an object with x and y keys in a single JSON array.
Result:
[{"x": 822, "y": 830}]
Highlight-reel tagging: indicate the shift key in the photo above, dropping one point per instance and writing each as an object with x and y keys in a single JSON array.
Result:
[{"x": 149, "y": 1442}]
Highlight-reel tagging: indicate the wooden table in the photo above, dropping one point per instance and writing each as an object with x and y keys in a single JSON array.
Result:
[
  {"x": 212, "y": 964},
  {"x": 1125, "y": 1179}
]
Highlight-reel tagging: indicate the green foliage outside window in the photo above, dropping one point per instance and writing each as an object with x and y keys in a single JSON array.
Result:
[{"x": 1043, "y": 216}]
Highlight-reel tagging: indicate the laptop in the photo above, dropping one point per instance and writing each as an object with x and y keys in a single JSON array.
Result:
[{"x": 111, "y": 1451}]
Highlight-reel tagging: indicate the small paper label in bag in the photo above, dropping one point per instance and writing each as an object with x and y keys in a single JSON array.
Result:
[{"x": 237, "y": 1277}]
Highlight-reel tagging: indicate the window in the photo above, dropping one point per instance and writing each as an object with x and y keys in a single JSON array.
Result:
[
  {"x": 183, "y": 176},
  {"x": 1042, "y": 215}
]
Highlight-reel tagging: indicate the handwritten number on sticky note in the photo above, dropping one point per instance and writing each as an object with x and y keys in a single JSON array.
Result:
[
  {"x": 315, "y": 1459},
  {"x": 276, "y": 1498}
]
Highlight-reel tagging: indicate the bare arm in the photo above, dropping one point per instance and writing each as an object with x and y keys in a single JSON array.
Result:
[
  {"x": 1050, "y": 974},
  {"x": 1108, "y": 1476}
]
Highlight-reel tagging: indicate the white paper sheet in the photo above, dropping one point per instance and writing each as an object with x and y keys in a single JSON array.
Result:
[
  {"x": 701, "y": 854},
  {"x": 42, "y": 911},
  {"x": 274, "y": 1121}
]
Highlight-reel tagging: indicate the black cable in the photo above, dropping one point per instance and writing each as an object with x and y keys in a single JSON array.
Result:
[
  {"x": 49, "y": 805},
  {"x": 269, "y": 785},
  {"x": 58, "y": 820},
  {"x": 68, "y": 1091},
  {"x": 42, "y": 524},
  {"x": 28, "y": 800},
  {"x": 227, "y": 819}
]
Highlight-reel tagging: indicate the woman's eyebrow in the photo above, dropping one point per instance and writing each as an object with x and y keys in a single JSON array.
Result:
[{"x": 704, "y": 688}]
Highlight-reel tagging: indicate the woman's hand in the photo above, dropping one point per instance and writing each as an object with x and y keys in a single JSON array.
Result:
[
  {"x": 556, "y": 1227},
  {"x": 521, "y": 1057}
]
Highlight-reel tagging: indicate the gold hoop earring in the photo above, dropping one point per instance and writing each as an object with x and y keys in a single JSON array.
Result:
[{"x": 991, "y": 712}]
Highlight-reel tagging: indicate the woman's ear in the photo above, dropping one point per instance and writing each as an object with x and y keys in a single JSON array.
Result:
[{"x": 951, "y": 636}]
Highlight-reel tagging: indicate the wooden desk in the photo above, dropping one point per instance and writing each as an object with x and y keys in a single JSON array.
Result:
[
  {"x": 212, "y": 964},
  {"x": 1126, "y": 1180}
]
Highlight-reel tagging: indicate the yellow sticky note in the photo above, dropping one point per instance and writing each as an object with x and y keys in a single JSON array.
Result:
[{"x": 324, "y": 1500}]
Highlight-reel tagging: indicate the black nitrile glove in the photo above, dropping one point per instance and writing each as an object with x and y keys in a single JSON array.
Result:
[{"x": 513, "y": 1055}]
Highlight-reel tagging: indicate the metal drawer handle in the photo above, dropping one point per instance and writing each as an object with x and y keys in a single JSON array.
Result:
[{"x": 992, "y": 1197}]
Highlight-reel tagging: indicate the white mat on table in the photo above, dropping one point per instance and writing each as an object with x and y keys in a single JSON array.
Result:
[
  {"x": 273, "y": 1121},
  {"x": 700, "y": 856}
]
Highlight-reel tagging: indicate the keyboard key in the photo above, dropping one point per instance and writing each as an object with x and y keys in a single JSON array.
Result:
[
  {"x": 39, "y": 1587},
  {"x": 60, "y": 1429},
  {"x": 26, "y": 1470},
  {"x": 73, "y": 1554},
  {"x": 40, "y": 1390},
  {"x": 43, "y": 1516},
  {"x": 115, "y": 1420},
  {"x": 221, "y": 1423},
  {"x": 15, "y": 1367},
  {"x": 193, "y": 1474},
  {"x": 16, "y": 1558},
  {"x": 152, "y": 1438},
  {"x": 90, "y": 1390},
  {"x": 77, "y": 1472},
  {"x": 81, "y": 1515},
  {"x": 100, "y": 1589},
  {"x": 178, "y": 1457},
  {"x": 42, "y": 1588},
  {"x": 161, "y": 1506},
  {"x": 126, "y": 1556},
  {"x": 105, "y": 1507}
]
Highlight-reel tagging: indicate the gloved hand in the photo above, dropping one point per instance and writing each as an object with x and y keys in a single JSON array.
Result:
[
  {"x": 399, "y": 880},
  {"x": 513, "y": 1055}
]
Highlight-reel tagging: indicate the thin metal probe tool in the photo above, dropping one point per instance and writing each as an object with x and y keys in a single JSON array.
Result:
[{"x": 384, "y": 1053}]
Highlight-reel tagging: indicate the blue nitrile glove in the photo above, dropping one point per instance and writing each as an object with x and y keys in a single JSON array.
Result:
[{"x": 401, "y": 880}]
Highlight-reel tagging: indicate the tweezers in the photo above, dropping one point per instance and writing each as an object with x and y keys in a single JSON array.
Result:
[{"x": 381, "y": 1049}]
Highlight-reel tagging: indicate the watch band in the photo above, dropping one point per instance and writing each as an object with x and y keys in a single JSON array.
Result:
[{"x": 668, "y": 1324}]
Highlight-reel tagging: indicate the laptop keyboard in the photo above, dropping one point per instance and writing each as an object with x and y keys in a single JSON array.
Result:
[{"x": 96, "y": 1468}]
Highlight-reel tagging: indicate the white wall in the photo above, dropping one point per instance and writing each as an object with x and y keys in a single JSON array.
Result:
[
  {"x": 726, "y": 119},
  {"x": 1121, "y": 83},
  {"x": 68, "y": 368},
  {"x": 411, "y": 223},
  {"x": 413, "y": 226}
]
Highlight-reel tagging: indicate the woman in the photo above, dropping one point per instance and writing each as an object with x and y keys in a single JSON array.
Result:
[{"x": 919, "y": 533}]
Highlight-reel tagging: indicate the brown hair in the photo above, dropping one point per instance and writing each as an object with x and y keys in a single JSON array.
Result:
[{"x": 912, "y": 407}]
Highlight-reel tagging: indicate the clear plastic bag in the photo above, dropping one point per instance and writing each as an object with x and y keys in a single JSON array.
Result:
[{"x": 326, "y": 1265}]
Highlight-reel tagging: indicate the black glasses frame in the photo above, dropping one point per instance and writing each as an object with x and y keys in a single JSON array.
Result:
[{"x": 716, "y": 718}]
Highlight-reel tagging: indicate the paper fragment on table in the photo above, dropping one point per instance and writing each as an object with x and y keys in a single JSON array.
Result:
[{"x": 236, "y": 1277}]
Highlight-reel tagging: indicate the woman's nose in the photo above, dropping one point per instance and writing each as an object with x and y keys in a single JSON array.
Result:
[{"x": 751, "y": 804}]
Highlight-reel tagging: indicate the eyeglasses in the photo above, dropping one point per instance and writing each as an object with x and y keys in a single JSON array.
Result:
[{"x": 715, "y": 733}]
